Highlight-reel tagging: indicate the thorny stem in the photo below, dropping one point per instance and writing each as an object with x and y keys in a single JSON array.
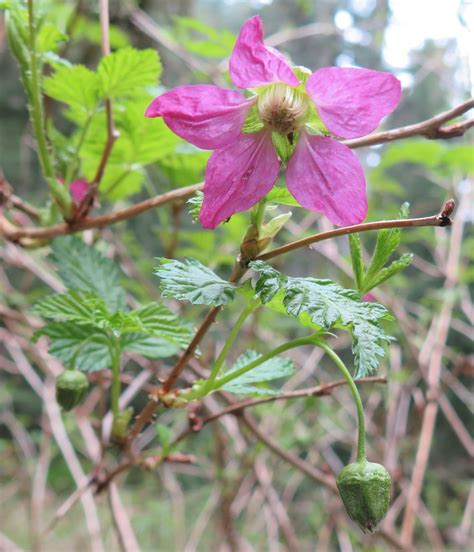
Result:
[
  {"x": 355, "y": 393},
  {"x": 115, "y": 388},
  {"x": 37, "y": 119}
]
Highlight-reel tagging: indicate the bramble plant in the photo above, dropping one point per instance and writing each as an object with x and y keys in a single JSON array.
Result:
[{"x": 120, "y": 123}]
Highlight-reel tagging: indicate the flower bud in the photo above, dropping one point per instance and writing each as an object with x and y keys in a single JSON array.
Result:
[
  {"x": 120, "y": 424},
  {"x": 71, "y": 388},
  {"x": 365, "y": 490}
]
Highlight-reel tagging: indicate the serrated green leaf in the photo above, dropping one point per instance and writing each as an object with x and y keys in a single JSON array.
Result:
[
  {"x": 83, "y": 268},
  {"x": 128, "y": 71},
  {"x": 78, "y": 306},
  {"x": 329, "y": 306},
  {"x": 387, "y": 242},
  {"x": 78, "y": 345},
  {"x": 191, "y": 281},
  {"x": 76, "y": 86},
  {"x": 269, "y": 283},
  {"x": 275, "y": 368},
  {"x": 148, "y": 345},
  {"x": 159, "y": 321},
  {"x": 356, "y": 258},
  {"x": 49, "y": 38},
  {"x": 394, "y": 268},
  {"x": 142, "y": 141},
  {"x": 194, "y": 204}
]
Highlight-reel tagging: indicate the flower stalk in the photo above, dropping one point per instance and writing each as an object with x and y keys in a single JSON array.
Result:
[{"x": 355, "y": 393}]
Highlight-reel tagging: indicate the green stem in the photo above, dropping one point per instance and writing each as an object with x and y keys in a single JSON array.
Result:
[
  {"x": 355, "y": 393},
  {"x": 37, "y": 119},
  {"x": 249, "y": 308},
  {"x": 260, "y": 360},
  {"x": 115, "y": 377}
]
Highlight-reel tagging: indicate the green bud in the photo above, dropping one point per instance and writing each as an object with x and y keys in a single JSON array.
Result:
[
  {"x": 365, "y": 490},
  {"x": 120, "y": 424},
  {"x": 71, "y": 388}
]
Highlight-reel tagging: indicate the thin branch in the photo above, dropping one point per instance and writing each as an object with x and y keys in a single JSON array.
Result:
[
  {"x": 430, "y": 128},
  {"x": 13, "y": 233},
  {"x": 318, "y": 391},
  {"x": 441, "y": 219}
]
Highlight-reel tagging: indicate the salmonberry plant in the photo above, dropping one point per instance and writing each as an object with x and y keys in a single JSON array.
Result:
[{"x": 282, "y": 137}]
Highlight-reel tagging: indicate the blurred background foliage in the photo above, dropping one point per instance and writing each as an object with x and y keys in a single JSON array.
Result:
[{"x": 181, "y": 507}]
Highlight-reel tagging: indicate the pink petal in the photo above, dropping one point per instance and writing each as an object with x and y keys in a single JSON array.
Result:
[
  {"x": 205, "y": 115},
  {"x": 238, "y": 176},
  {"x": 352, "y": 101},
  {"x": 78, "y": 190},
  {"x": 254, "y": 64},
  {"x": 325, "y": 175}
]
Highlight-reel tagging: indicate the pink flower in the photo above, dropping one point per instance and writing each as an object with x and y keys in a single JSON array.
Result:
[
  {"x": 304, "y": 109},
  {"x": 78, "y": 190}
]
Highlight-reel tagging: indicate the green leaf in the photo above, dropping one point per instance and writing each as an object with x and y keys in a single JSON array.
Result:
[
  {"x": 78, "y": 345},
  {"x": 194, "y": 204},
  {"x": 387, "y": 242},
  {"x": 83, "y": 268},
  {"x": 394, "y": 268},
  {"x": 128, "y": 71},
  {"x": 357, "y": 262},
  {"x": 191, "y": 281},
  {"x": 269, "y": 283},
  {"x": 329, "y": 306},
  {"x": 148, "y": 346},
  {"x": 49, "y": 37},
  {"x": 76, "y": 86},
  {"x": 77, "y": 306},
  {"x": 275, "y": 368},
  {"x": 160, "y": 322},
  {"x": 142, "y": 141}
]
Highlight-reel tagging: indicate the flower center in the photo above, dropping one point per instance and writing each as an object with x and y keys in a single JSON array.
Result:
[{"x": 282, "y": 108}]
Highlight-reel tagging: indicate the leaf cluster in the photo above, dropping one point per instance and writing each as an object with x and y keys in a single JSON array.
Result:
[
  {"x": 91, "y": 319},
  {"x": 320, "y": 304},
  {"x": 378, "y": 271}
]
